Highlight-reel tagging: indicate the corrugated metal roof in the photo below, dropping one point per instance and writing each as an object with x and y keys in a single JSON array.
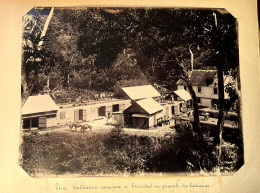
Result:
[
  {"x": 200, "y": 78},
  {"x": 185, "y": 95},
  {"x": 141, "y": 92},
  {"x": 39, "y": 103},
  {"x": 150, "y": 105}
]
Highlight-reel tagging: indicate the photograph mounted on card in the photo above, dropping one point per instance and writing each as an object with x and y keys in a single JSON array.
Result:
[{"x": 132, "y": 91}]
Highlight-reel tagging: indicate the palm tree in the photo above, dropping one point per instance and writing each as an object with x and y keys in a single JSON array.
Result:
[{"x": 35, "y": 57}]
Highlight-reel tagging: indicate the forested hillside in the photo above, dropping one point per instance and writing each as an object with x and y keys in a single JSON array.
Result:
[
  {"x": 103, "y": 49},
  {"x": 88, "y": 51}
]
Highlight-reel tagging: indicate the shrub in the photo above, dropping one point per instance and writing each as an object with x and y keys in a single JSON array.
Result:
[{"x": 117, "y": 152}]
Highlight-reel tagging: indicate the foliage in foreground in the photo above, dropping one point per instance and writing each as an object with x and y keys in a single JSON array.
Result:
[{"x": 114, "y": 153}]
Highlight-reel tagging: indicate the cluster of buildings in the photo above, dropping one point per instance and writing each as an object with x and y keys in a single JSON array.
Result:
[
  {"x": 41, "y": 111},
  {"x": 145, "y": 107}
]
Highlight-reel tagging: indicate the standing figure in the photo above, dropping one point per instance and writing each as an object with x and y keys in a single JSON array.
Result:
[{"x": 108, "y": 118}]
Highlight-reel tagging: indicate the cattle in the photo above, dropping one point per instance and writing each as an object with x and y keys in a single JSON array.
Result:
[
  {"x": 78, "y": 125},
  {"x": 85, "y": 127},
  {"x": 75, "y": 125}
]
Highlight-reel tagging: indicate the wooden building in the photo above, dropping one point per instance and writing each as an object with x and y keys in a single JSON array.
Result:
[
  {"x": 205, "y": 86},
  {"x": 171, "y": 108},
  {"x": 176, "y": 102},
  {"x": 42, "y": 112},
  {"x": 144, "y": 113},
  {"x": 39, "y": 112},
  {"x": 91, "y": 111},
  {"x": 118, "y": 118},
  {"x": 136, "y": 93}
]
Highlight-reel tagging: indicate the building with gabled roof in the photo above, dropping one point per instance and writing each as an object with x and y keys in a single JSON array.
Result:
[
  {"x": 144, "y": 113},
  {"x": 183, "y": 94},
  {"x": 149, "y": 105},
  {"x": 39, "y": 112},
  {"x": 141, "y": 92},
  {"x": 205, "y": 85},
  {"x": 201, "y": 78},
  {"x": 38, "y": 104}
]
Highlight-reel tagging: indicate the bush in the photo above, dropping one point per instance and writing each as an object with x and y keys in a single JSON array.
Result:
[{"x": 117, "y": 152}]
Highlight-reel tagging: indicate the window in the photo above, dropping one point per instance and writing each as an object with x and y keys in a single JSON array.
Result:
[
  {"x": 35, "y": 122},
  {"x": 198, "y": 100},
  {"x": 172, "y": 110},
  {"x": 185, "y": 87},
  {"x": 26, "y": 123},
  {"x": 115, "y": 107},
  {"x": 51, "y": 116},
  {"x": 81, "y": 114},
  {"x": 62, "y": 115},
  {"x": 215, "y": 90},
  {"x": 199, "y": 89}
]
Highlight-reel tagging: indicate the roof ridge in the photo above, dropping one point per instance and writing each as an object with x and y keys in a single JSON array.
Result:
[
  {"x": 203, "y": 70},
  {"x": 140, "y": 92},
  {"x": 150, "y": 105},
  {"x": 137, "y": 86}
]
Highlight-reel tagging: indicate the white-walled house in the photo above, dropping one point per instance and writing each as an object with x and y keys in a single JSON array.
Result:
[
  {"x": 205, "y": 85},
  {"x": 39, "y": 112},
  {"x": 42, "y": 112}
]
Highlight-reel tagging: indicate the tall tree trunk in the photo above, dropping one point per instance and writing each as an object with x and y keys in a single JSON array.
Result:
[
  {"x": 221, "y": 100},
  {"x": 48, "y": 83},
  {"x": 27, "y": 87},
  {"x": 46, "y": 25},
  {"x": 241, "y": 148},
  {"x": 68, "y": 81},
  {"x": 220, "y": 139},
  {"x": 191, "y": 59},
  {"x": 196, "y": 122},
  {"x": 25, "y": 93},
  {"x": 221, "y": 125}
]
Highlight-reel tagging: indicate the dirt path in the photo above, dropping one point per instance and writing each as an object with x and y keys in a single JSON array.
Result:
[{"x": 101, "y": 126}]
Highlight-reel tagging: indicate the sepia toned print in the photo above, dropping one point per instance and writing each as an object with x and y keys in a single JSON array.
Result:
[{"x": 130, "y": 91}]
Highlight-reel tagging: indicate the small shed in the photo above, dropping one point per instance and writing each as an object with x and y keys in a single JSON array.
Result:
[
  {"x": 185, "y": 98},
  {"x": 118, "y": 118},
  {"x": 39, "y": 112},
  {"x": 144, "y": 113}
]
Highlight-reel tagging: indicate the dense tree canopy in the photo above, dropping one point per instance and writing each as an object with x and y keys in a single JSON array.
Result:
[
  {"x": 104, "y": 49},
  {"x": 89, "y": 43}
]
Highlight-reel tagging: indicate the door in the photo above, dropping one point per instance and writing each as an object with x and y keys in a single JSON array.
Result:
[
  {"x": 102, "y": 111},
  {"x": 81, "y": 114},
  {"x": 180, "y": 107},
  {"x": 76, "y": 115},
  {"x": 26, "y": 124},
  {"x": 62, "y": 115},
  {"x": 214, "y": 103},
  {"x": 35, "y": 122},
  {"x": 154, "y": 120},
  {"x": 42, "y": 122},
  {"x": 172, "y": 110}
]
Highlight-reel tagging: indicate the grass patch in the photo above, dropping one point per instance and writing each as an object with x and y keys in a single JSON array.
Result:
[{"x": 111, "y": 153}]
